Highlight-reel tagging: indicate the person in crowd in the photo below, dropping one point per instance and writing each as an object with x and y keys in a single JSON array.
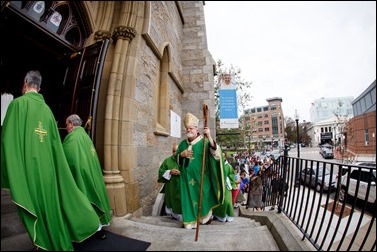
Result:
[
  {"x": 33, "y": 166},
  {"x": 245, "y": 180},
  {"x": 86, "y": 169},
  {"x": 168, "y": 174},
  {"x": 244, "y": 187},
  {"x": 275, "y": 187},
  {"x": 236, "y": 189},
  {"x": 254, "y": 199},
  {"x": 225, "y": 211},
  {"x": 191, "y": 154}
]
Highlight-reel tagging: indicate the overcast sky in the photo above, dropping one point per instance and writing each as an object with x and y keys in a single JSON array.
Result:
[{"x": 299, "y": 51}]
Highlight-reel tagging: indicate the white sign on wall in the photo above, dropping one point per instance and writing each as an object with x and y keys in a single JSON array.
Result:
[{"x": 175, "y": 124}]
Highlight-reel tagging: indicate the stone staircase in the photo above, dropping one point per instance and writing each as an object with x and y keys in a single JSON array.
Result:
[
  {"x": 164, "y": 233},
  {"x": 250, "y": 231},
  {"x": 14, "y": 236}
]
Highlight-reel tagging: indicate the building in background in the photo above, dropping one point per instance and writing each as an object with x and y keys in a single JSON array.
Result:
[
  {"x": 328, "y": 117},
  {"x": 264, "y": 125},
  {"x": 360, "y": 131},
  {"x": 326, "y": 108}
]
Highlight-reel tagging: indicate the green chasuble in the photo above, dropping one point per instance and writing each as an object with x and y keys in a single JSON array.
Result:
[
  {"x": 33, "y": 166},
  {"x": 87, "y": 172},
  {"x": 226, "y": 210},
  {"x": 171, "y": 186},
  {"x": 213, "y": 181}
]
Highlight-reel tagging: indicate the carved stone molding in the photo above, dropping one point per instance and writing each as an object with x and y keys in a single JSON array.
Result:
[
  {"x": 102, "y": 35},
  {"x": 124, "y": 32}
]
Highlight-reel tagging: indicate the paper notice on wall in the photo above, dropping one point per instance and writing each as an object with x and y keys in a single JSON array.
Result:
[{"x": 175, "y": 124}]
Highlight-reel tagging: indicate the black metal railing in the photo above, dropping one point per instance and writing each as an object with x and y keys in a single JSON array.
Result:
[{"x": 334, "y": 214}]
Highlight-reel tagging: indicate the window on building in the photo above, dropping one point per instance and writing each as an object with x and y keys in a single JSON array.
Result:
[
  {"x": 266, "y": 129},
  {"x": 274, "y": 130},
  {"x": 59, "y": 18},
  {"x": 366, "y": 136}
]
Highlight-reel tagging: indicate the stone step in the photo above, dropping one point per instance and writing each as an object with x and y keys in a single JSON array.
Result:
[
  {"x": 216, "y": 236},
  {"x": 18, "y": 242},
  {"x": 239, "y": 222},
  {"x": 7, "y": 205},
  {"x": 165, "y": 221},
  {"x": 11, "y": 225}
]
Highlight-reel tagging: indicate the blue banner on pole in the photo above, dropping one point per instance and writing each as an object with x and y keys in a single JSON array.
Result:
[{"x": 228, "y": 108}]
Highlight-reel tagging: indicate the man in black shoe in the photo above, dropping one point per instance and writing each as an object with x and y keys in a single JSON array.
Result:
[{"x": 190, "y": 154}]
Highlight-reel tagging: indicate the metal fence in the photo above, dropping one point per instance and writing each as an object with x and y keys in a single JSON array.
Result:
[{"x": 334, "y": 214}]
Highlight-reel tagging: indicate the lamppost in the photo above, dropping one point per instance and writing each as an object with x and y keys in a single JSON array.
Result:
[
  {"x": 297, "y": 181},
  {"x": 297, "y": 117}
]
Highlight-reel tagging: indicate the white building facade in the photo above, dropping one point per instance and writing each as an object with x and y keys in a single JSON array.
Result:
[{"x": 328, "y": 117}]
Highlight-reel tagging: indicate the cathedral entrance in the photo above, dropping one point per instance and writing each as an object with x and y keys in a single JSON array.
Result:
[
  {"x": 25, "y": 48},
  {"x": 70, "y": 72}
]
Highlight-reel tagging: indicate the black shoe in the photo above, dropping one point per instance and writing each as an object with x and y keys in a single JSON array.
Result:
[{"x": 100, "y": 235}]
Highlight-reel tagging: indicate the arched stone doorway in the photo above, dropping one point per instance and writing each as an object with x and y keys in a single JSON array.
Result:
[{"x": 50, "y": 37}]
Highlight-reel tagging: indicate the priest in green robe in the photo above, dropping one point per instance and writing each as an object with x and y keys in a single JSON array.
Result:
[
  {"x": 225, "y": 212},
  {"x": 190, "y": 154},
  {"x": 168, "y": 173},
  {"x": 33, "y": 166},
  {"x": 86, "y": 169}
]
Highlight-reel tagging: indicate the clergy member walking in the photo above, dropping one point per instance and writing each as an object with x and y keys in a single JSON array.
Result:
[
  {"x": 190, "y": 158},
  {"x": 33, "y": 166},
  {"x": 86, "y": 169},
  {"x": 168, "y": 173}
]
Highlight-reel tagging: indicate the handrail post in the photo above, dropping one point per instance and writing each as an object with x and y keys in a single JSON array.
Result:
[{"x": 284, "y": 171}]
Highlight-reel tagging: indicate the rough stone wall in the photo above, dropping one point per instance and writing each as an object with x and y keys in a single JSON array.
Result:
[
  {"x": 191, "y": 64},
  {"x": 197, "y": 65}
]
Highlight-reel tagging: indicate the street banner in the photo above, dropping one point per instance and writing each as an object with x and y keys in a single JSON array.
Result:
[{"x": 228, "y": 102}]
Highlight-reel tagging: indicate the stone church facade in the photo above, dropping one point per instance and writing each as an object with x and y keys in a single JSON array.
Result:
[{"x": 156, "y": 63}]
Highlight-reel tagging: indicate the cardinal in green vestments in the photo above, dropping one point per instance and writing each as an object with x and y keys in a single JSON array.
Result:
[
  {"x": 190, "y": 154},
  {"x": 33, "y": 166},
  {"x": 85, "y": 166}
]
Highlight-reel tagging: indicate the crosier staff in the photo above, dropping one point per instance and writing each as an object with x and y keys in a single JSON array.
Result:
[{"x": 205, "y": 115}]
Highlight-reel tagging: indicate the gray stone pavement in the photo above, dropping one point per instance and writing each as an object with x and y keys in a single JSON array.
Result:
[{"x": 243, "y": 234}]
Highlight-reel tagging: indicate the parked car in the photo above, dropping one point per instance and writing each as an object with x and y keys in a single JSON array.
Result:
[
  {"x": 318, "y": 177},
  {"x": 327, "y": 151},
  {"x": 362, "y": 176}
]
